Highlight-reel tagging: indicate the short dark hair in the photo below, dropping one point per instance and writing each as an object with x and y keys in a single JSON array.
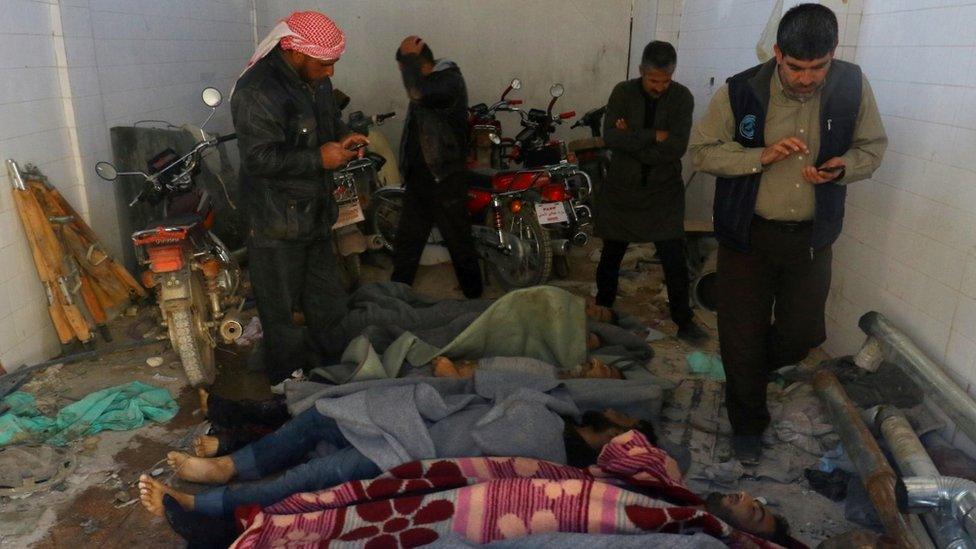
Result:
[
  {"x": 579, "y": 453},
  {"x": 659, "y": 55},
  {"x": 807, "y": 31},
  {"x": 781, "y": 534},
  {"x": 425, "y": 54}
]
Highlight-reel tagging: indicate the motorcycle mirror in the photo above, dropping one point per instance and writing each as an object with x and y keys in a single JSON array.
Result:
[
  {"x": 106, "y": 171},
  {"x": 493, "y": 137},
  {"x": 516, "y": 84},
  {"x": 212, "y": 97},
  {"x": 556, "y": 90}
]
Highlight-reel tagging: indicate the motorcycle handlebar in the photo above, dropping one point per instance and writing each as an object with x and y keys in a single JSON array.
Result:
[
  {"x": 567, "y": 115},
  {"x": 515, "y": 101},
  {"x": 226, "y": 138},
  {"x": 380, "y": 118}
]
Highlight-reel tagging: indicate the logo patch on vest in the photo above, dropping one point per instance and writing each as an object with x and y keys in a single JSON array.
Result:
[{"x": 747, "y": 127}]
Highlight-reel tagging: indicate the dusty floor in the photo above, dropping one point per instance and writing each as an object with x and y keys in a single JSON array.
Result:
[{"x": 97, "y": 506}]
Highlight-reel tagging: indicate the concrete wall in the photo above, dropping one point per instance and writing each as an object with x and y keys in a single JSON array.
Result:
[
  {"x": 581, "y": 44},
  {"x": 70, "y": 70}
]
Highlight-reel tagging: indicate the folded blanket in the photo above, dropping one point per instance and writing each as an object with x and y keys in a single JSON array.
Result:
[{"x": 483, "y": 500}]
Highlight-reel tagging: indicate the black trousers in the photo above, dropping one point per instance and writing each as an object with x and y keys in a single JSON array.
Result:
[
  {"x": 770, "y": 314},
  {"x": 673, "y": 261},
  {"x": 296, "y": 278},
  {"x": 426, "y": 203}
]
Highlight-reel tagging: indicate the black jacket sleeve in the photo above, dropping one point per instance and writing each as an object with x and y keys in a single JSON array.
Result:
[
  {"x": 260, "y": 126},
  {"x": 631, "y": 140},
  {"x": 436, "y": 90},
  {"x": 678, "y": 124}
]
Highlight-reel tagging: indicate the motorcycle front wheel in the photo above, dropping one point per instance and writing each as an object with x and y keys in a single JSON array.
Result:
[
  {"x": 383, "y": 216},
  {"x": 190, "y": 336},
  {"x": 536, "y": 263}
]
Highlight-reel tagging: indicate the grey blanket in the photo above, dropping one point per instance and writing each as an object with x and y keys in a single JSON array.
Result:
[
  {"x": 389, "y": 325},
  {"x": 514, "y": 409}
]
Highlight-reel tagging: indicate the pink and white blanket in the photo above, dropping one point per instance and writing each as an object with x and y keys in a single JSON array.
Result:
[{"x": 492, "y": 498}]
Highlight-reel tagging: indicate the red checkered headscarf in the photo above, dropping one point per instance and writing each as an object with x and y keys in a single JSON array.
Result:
[{"x": 308, "y": 32}]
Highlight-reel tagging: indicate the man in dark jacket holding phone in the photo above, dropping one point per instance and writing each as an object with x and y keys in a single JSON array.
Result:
[
  {"x": 784, "y": 139},
  {"x": 433, "y": 150},
  {"x": 291, "y": 139}
]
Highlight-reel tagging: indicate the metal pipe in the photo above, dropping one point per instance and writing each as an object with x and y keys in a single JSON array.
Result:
[
  {"x": 876, "y": 475},
  {"x": 914, "y": 461},
  {"x": 922, "y": 494},
  {"x": 956, "y": 404}
]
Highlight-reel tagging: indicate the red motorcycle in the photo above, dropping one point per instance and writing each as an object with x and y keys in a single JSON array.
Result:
[
  {"x": 505, "y": 209},
  {"x": 196, "y": 279},
  {"x": 483, "y": 124}
]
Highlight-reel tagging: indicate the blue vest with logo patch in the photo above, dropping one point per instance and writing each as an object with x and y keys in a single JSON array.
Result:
[{"x": 735, "y": 197}]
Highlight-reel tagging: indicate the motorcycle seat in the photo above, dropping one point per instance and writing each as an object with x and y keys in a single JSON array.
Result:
[{"x": 185, "y": 220}]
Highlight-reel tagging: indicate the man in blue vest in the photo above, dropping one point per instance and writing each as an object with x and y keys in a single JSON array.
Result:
[{"x": 784, "y": 139}]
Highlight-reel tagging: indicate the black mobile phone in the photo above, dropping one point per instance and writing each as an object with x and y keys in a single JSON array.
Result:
[
  {"x": 831, "y": 169},
  {"x": 356, "y": 147}
]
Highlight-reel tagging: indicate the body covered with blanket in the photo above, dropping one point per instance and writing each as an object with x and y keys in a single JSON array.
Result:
[{"x": 629, "y": 492}]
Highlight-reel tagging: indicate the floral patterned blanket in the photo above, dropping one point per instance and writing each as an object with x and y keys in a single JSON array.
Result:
[{"x": 631, "y": 490}]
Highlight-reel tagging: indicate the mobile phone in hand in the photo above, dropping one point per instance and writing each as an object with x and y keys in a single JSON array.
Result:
[
  {"x": 356, "y": 147},
  {"x": 831, "y": 169}
]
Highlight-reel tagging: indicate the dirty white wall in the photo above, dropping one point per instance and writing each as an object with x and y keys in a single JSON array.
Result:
[
  {"x": 580, "y": 43},
  {"x": 69, "y": 71}
]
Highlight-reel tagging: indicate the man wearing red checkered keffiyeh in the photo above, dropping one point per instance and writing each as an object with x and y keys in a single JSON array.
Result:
[{"x": 291, "y": 139}]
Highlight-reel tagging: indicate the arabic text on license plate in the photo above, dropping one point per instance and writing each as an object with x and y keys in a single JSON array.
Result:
[
  {"x": 551, "y": 212},
  {"x": 349, "y": 213}
]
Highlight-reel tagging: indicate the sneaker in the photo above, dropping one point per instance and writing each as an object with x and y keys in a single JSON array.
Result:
[
  {"x": 691, "y": 333},
  {"x": 747, "y": 449}
]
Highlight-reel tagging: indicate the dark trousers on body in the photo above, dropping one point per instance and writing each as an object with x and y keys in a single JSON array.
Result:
[
  {"x": 426, "y": 203},
  {"x": 296, "y": 278},
  {"x": 287, "y": 450},
  {"x": 673, "y": 261},
  {"x": 770, "y": 313}
]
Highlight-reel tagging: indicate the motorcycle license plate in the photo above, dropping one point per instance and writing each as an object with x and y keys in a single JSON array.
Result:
[
  {"x": 551, "y": 212},
  {"x": 350, "y": 212}
]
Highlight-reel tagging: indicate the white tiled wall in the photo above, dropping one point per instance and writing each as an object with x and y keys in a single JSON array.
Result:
[
  {"x": 33, "y": 129},
  {"x": 69, "y": 71},
  {"x": 909, "y": 244}
]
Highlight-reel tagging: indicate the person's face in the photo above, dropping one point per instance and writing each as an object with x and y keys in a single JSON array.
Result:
[
  {"x": 655, "y": 81},
  {"x": 802, "y": 79},
  {"x": 313, "y": 70},
  {"x": 742, "y": 511},
  {"x": 595, "y": 369}
]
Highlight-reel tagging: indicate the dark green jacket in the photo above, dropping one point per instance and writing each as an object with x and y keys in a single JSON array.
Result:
[{"x": 628, "y": 207}]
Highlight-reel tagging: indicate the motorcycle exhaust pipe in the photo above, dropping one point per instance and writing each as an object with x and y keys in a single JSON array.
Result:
[
  {"x": 230, "y": 328},
  {"x": 560, "y": 246},
  {"x": 580, "y": 239},
  {"x": 374, "y": 242}
]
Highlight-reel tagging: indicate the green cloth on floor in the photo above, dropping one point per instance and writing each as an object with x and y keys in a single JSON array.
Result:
[
  {"x": 542, "y": 322},
  {"x": 118, "y": 408},
  {"x": 705, "y": 364}
]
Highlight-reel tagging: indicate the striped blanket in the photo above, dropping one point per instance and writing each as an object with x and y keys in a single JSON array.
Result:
[{"x": 631, "y": 490}]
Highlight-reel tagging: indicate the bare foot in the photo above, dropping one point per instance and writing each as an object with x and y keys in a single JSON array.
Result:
[
  {"x": 151, "y": 493},
  {"x": 204, "y": 395},
  {"x": 206, "y": 446},
  {"x": 444, "y": 367},
  {"x": 217, "y": 470}
]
